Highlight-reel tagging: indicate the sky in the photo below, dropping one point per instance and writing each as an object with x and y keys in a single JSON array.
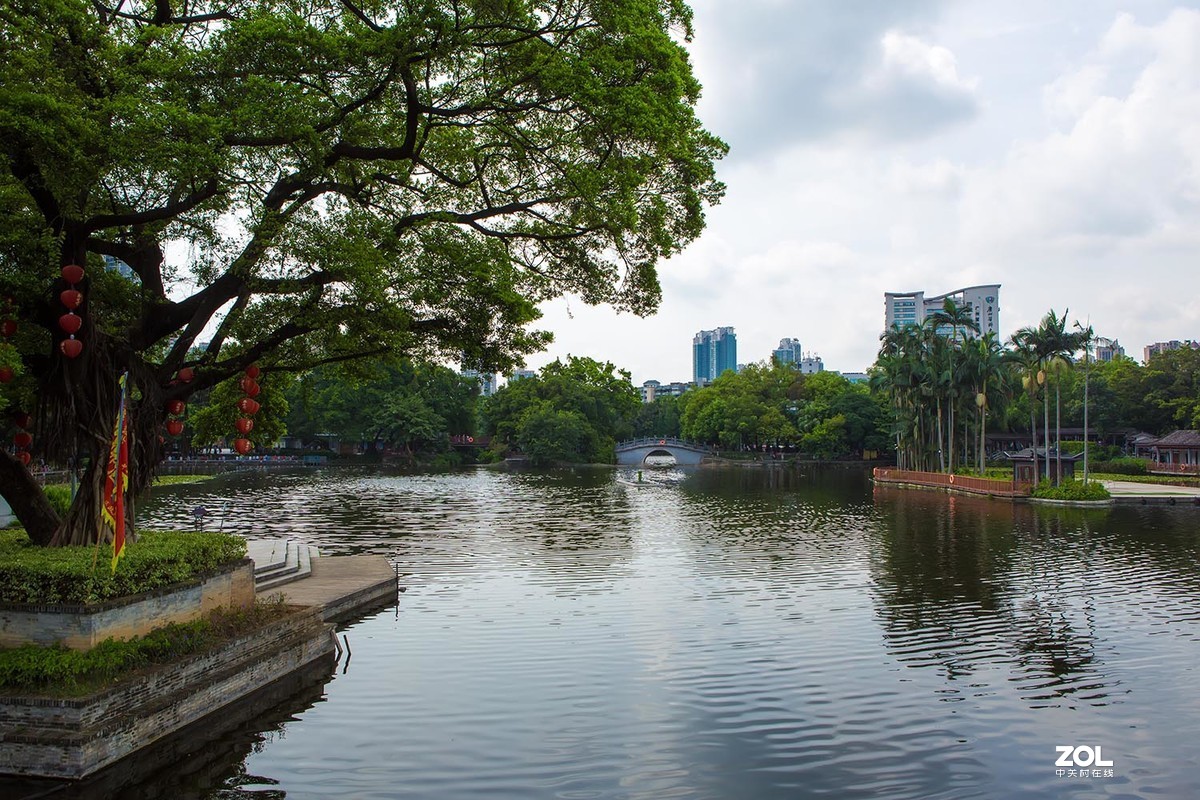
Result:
[{"x": 909, "y": 145}]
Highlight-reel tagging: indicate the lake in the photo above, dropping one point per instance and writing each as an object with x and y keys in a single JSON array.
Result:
[{"x": 720, "y": 633}]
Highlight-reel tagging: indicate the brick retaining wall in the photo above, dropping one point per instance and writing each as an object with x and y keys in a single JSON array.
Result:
[
  {"x": 72, "y": 738},
  {"x": 83, "y": 627}
]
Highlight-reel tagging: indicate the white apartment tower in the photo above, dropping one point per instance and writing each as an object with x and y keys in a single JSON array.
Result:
[{"x": 911, "y": 308}]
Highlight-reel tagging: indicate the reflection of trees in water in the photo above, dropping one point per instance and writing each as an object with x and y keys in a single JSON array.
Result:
[
  {"x": 207, "y": 761},
  {"x": 779, "y": 520},
  {"x": 965, "y": 584}
]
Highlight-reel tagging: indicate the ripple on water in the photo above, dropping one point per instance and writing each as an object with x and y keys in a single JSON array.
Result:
[{"x": 743, "y": 634}]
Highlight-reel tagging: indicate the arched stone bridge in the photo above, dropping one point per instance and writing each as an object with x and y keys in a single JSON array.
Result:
[{"x": 636, "y": 451}]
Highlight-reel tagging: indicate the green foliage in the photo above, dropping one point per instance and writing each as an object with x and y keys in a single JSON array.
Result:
[
  {"x": 1121, "y": 466},
  {"x": 62, "y": 672},
  {"x": 416, "y": 407},
  {"x": 59, "y": 497},
  {"x": 771, "y": 403},
  {"x": 660, "y": 418},
  {"x": 213, "y": 422},
  {"x": 80, "y": 575},
  {"x": 574, "y": 411},
  {"x": 1071, "y": 489}
]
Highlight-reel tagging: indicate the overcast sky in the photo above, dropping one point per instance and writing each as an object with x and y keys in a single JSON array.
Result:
[{"x": 902, "y": 145}]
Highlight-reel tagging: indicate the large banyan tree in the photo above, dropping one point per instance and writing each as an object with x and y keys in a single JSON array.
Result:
[{"x": 290, "y": 183}]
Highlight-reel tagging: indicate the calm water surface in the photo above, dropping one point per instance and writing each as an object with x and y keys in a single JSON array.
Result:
[{"x": 724, "y": 634}]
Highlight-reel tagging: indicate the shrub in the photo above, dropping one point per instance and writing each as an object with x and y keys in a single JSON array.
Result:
[
  {"x": 59, "y": 497},
  {"x": 81, "y": 575},
  {"x": 1071, "y": 489},
  {"x": 1121, "y": 466},
  {"x": 32, "y": 668}
]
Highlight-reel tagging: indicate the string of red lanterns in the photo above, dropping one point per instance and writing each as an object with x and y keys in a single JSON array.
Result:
[
  {"x": 249, "y": 407},
  {"x": 177, "y": 408},
  {"x": 70, "y": 322}
]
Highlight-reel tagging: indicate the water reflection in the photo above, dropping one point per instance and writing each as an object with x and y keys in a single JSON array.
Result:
[{"x": 752, "y": 632}]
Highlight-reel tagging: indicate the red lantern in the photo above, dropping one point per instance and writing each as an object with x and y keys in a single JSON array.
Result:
[
  {"x": 22, "y": 439},
  {"x": 71, "y": 348},
  {"x": 24, "y": 457},
  {"x": 244, "y": 425},
  {"x": 70, "y": 323},
  {"x": 248, "y": 406},
  {"x": 174, "y": 427},
  {"x": 22, "y": 420},
  {"x": 6, "y": 374},
  {"x": 71, "y": 298},
  {"x": 242, "y": 445},
  {"x": 72, "y": 273},
  {"x": 252, "y": 371},
  {"x": 250, "y": 387},
  {"x": 8, "y": 327},
  {"x": 186, "y": 374},
  {"x": 176, "y": 407}
]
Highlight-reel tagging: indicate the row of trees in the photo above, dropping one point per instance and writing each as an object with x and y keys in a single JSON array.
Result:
[
  {"x": 773, "y": 405},
  {"x": 943, "y": 384},
  {"x": 946, "y": 388}
]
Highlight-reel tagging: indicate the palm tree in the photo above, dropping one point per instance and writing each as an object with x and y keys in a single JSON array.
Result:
[
  {"x": 1057, "y": 346},
  {"x": 1027, "y": 355},
  {"x": 956, "y": 317},
  {"x": 988, "y": 360},
  {"x": 1084, "y": 336}
]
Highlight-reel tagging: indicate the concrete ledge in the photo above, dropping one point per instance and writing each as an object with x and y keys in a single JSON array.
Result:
[
  {"x": 73, "y": 738},
  {"x": 81, "y": 627},
  {"x": 1044, "y": 501}
]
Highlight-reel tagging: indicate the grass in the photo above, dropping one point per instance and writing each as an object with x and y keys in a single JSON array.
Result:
[{"x": 172, "y": 480}]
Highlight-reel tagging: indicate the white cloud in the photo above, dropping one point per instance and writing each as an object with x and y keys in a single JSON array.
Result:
[{"x": 916, "y": 145}]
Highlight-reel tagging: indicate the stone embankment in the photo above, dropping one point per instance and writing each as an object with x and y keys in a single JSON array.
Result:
[{"x": 73, "y": 738}]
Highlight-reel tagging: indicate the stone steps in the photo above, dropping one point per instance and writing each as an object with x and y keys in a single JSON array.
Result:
[{"x": 279, "y": 561}]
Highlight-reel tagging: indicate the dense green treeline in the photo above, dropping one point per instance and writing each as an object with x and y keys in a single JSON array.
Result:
[
  {"x": 572, "y": 411},
  {"x": 933, "y": 398}
]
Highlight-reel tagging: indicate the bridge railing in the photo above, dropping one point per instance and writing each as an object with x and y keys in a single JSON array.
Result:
[{"x": 660, "y": 441}]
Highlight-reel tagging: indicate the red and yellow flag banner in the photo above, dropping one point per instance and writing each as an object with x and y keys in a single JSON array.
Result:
[{"x": 116, "y": 478}]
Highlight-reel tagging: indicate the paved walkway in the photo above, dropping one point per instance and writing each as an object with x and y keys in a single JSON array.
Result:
[
  {"x": 342, "y": 586},
  {"x": 1133, "y": 489}
]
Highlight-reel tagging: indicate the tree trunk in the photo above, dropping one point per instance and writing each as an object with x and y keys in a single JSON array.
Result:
[
  {"x": 1057, "y": 435},
  {"x": 1046, "y": 427},
  {"x": 27, "y": 500}
]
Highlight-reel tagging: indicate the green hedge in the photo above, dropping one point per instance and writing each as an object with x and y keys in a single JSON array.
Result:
[
  {"x": 1071, "y": 490},
  {"x": 81, "y": 575},
  {"x": 1121, "y": 466},
  {"x": 60, "y": 671}
]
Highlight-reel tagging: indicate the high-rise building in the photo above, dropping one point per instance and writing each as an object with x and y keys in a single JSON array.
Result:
[
  {"x": 713, "y": 352},
  {"x": 911, "y": 308},
  {"x": 520, "y": 374},
  {"x": 788, "y": 351},
  {"x": 1107, "y": 349},
  {"x": 810, "y": 364},
  {"x": 487, "y": 381},
  {"x": 1162, "y": 347}
]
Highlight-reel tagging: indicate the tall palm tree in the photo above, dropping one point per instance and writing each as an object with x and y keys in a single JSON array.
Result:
[
  {"x": 1057, "y": 345},
  {"x": 1026, "y": 353},
  {"x": 957, "y": 318},
  {"x": 1084, "y": 336},
  {"x": 989, "y": 361}
]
